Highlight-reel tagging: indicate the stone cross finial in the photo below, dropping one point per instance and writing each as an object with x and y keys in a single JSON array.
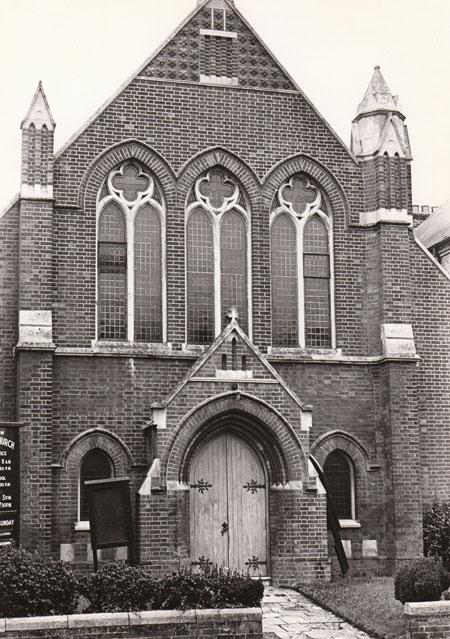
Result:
[{"x": 232, "y": 314}]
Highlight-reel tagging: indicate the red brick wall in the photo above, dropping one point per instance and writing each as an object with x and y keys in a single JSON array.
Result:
[
  {"x": 431, "y": 323},
  {"x": 9, "y": 313},
  {"x": 34, "y": 409}
]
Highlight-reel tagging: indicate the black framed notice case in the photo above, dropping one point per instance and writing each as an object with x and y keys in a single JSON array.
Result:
[
  {"x": 9, "y": 482},
  {"x": 110, "y": 515}
]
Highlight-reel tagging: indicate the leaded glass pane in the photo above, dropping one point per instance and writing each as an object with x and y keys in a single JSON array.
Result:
[
  {"x": 112, "y": 274},
  {"x": 96, "y": 464},
  {"x": 316, "y": 271},
  {"x": 147, "y": 276},
  {"x": 283, "y": 257},
  {"x": 200, "y": 279},
  {"x": 233, "y": 263},
  {"x": 338, "y": 474}
]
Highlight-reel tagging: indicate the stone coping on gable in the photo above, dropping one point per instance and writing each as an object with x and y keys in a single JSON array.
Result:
[{"x": 130, "y": 619}]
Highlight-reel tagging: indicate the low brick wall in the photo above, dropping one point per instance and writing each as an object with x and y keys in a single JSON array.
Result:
[
  {"x": 427, "y": 620},
  {"x": 160, "y": 624}
]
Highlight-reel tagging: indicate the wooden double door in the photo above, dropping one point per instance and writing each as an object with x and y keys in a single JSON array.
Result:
[{"x": 228, "y": 511}]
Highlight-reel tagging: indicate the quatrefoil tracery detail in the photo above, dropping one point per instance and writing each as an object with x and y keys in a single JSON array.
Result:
[
  {"x": 130, "y": 183},
  {"x": 299, "y": 196},
  {"x": 217, "y": 191}
]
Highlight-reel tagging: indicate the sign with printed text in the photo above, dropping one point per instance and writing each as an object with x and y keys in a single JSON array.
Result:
[{"x": 9, "y": 483}]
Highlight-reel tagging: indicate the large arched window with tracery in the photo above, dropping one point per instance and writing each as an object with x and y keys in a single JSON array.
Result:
[
  {"x": 217, "y": 252},
  {"x": 131, "y": 228},
  {"x": 316, "y": 274},
  {"x": 200, "y": 278},
  {"x": 112, "y": 273},
  {"x": 283, "y": 262},
  {"x": 233, "y": 266},
  {"x": 301, "y": 266}
]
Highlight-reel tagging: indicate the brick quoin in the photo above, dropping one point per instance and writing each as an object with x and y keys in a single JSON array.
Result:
[{"x": 380, "y": 396}]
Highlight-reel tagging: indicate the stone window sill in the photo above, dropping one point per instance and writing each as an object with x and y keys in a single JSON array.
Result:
[
  {"x": 82, "y": 526},
  {"x": 349, "y": 523}
]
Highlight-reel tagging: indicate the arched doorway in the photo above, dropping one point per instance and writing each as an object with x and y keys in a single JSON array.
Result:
[{"x": 228, "y": 506}]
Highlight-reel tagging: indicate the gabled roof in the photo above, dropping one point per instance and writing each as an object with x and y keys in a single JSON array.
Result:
[
  {"x": 436, "y": 228},
  {"x": 378, "y": 96},
  {"x": 159, "y": 50},
  {"x": 231, "y": 327}
]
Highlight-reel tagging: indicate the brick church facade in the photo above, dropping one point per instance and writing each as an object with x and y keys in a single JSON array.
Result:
[{"x": 203, "y": 288}]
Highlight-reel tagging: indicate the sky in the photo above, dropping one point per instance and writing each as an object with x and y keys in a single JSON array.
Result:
[{"x": 83, "y": 50}]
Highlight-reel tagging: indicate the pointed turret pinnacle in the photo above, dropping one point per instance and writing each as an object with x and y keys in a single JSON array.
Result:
[
  {"x": 378, "y": 96},
  {"x": 39, "y": 112}
]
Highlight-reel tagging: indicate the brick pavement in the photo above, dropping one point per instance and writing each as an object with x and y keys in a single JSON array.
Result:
[{"x": 290, "y": 615}]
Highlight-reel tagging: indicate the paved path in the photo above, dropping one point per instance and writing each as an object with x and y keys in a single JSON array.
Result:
[{"x": 288, "y": 614}]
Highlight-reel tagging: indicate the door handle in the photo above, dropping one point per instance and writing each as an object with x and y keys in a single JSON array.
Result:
[{"x": 224, "y": 528}]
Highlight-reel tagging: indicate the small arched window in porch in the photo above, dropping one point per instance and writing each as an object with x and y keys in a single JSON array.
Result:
[
  {"x": 96, "y": 464},
  {"x": 340, "y": 476}
]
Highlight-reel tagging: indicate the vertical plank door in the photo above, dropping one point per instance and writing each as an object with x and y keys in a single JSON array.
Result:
[
  {"x": 208, "y": 503},
  {"x": 246, "y": 509}
]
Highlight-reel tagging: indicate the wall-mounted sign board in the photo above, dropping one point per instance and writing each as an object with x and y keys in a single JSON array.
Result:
[
  {"x": 9, "y": 482},
  {"x": 110, "y": 515}
]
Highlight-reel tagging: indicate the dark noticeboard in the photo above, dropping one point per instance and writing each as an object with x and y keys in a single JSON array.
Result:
[
  {"x": 9, "y": 483},
  {"x": 110, "y": 515}
]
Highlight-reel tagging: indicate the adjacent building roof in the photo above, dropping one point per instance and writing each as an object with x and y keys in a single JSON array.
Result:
[{"x": 436, "y": 228}]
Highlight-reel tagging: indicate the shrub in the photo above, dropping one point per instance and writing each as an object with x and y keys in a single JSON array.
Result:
[
  {"x": 422, "y": 580},
  {"x": 211, "y": 588},
  {"x": 117, "y": 587},
  {"x": 34, "y": 585},
  {"x": 436, "y": 532}
]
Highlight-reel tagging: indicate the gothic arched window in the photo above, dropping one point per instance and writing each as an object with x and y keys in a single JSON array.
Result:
[
  {"x": 316, "y": 274},
  {"x": 301, "y": 267},
  {"x": 200, "y": 278},
  {"x": 131, "y": 294},
  {"x": 96, "y": 464},
  {"x": 233, "y": 266},
  {"x": 283, "y": 262},
  {"x": 112, "y": 273},
  {"x": 340, "y": 476},
  {"x": 217, "y": 250}
]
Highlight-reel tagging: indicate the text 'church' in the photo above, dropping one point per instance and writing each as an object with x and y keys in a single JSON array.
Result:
[{"x": 204, "y": 288}]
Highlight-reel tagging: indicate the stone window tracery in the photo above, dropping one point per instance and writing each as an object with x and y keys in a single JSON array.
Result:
[
  {"x": 131, "y": 228},
  {"x": 218, "y": 254},
  {"x": 301, "y": 267}
]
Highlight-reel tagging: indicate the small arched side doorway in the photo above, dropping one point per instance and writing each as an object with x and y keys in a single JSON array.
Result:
[{"x": 228, "y": 506}]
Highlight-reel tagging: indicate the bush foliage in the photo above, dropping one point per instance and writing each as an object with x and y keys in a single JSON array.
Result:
[
  {"x": 424, "y": 579},
  {"x": 34, "y": 585},
  {"x": 211, "y": 588},
  {"x": 436, "y": 532},
  {"x": 118, "y": 587}
]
